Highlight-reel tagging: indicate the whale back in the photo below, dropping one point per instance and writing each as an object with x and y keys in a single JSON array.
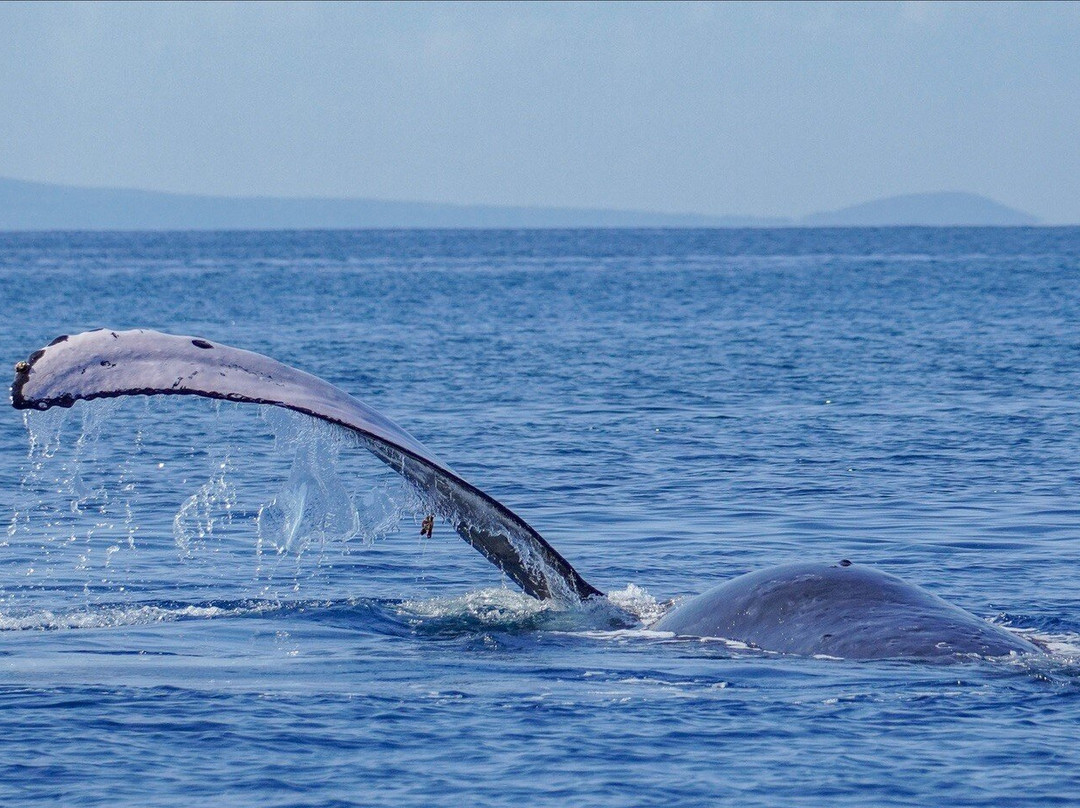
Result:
[{"x": 839, "y": 610}]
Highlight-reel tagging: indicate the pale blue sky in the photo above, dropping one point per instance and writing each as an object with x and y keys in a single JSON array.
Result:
[{"x": 726, "y": 109}]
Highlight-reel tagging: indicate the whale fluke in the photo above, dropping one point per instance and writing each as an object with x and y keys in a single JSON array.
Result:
[
  {"x": 840, "y": 610},
  {"x": 108, "y": 364}
]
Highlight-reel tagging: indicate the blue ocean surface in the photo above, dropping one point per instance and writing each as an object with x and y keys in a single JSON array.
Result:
[{"x": 221, "y": 604}]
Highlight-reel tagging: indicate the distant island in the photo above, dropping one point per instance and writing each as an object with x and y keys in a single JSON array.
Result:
[
  {"x": 43, "y": 206},
  {"x": 933, "y": 210}
]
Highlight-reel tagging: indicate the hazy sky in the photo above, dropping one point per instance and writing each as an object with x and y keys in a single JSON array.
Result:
[{"x": 728, "y": 109}]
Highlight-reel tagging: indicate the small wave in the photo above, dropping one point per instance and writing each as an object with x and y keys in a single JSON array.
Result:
[
  {"x": 125, "y": 616},
  {"x": 1066, "y": 646},
  {"x": 494, "y": 606},
  {"x": 498, "y": 608}
]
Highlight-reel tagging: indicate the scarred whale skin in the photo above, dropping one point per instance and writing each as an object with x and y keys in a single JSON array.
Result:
[{"x": 839, "y": 610}]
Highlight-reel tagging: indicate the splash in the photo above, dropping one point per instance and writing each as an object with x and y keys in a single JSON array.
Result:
[
  {"x": 314, "y": 509},
  {"x": 210, "y": 506},
  {"x": 62, "y": 520},
  {"x": 494, "y": 606},
  {"x": 187, "y": 513},
  {"x": 502, "y": 609},
  {"x": 637, "y": 601}
]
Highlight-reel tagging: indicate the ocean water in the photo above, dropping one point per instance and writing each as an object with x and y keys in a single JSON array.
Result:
[{"x": 208, "y": 603}]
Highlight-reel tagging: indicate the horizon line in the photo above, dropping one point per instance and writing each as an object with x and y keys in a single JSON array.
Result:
[{"x": 776, "y": 221}]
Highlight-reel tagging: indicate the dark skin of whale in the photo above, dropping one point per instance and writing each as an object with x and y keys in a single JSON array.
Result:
[{"x": 840, "y": 610}]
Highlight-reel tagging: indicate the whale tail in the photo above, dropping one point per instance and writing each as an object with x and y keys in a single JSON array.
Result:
[{"x": 110, "y": 364}]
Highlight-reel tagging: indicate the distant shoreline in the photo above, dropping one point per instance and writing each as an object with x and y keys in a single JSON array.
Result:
[{"x": 42, "y": 207}]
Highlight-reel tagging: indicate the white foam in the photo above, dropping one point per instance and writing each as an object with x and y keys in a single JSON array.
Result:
[
  {"x": 638, "y": 602},
  {"x": 118, "y": 616},
  {"x": 492, "y": 605},
  {"x": 1061, "y": 645}
]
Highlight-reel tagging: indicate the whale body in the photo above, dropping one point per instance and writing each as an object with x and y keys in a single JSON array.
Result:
[
  {"x": 840, "y": 610},
  {"x": 810, "y": 609}
]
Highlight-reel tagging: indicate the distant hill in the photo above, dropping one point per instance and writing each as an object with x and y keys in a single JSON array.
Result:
[
  {"x": 950, "y": 208},
  {"x": 42, "y": 206}
]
